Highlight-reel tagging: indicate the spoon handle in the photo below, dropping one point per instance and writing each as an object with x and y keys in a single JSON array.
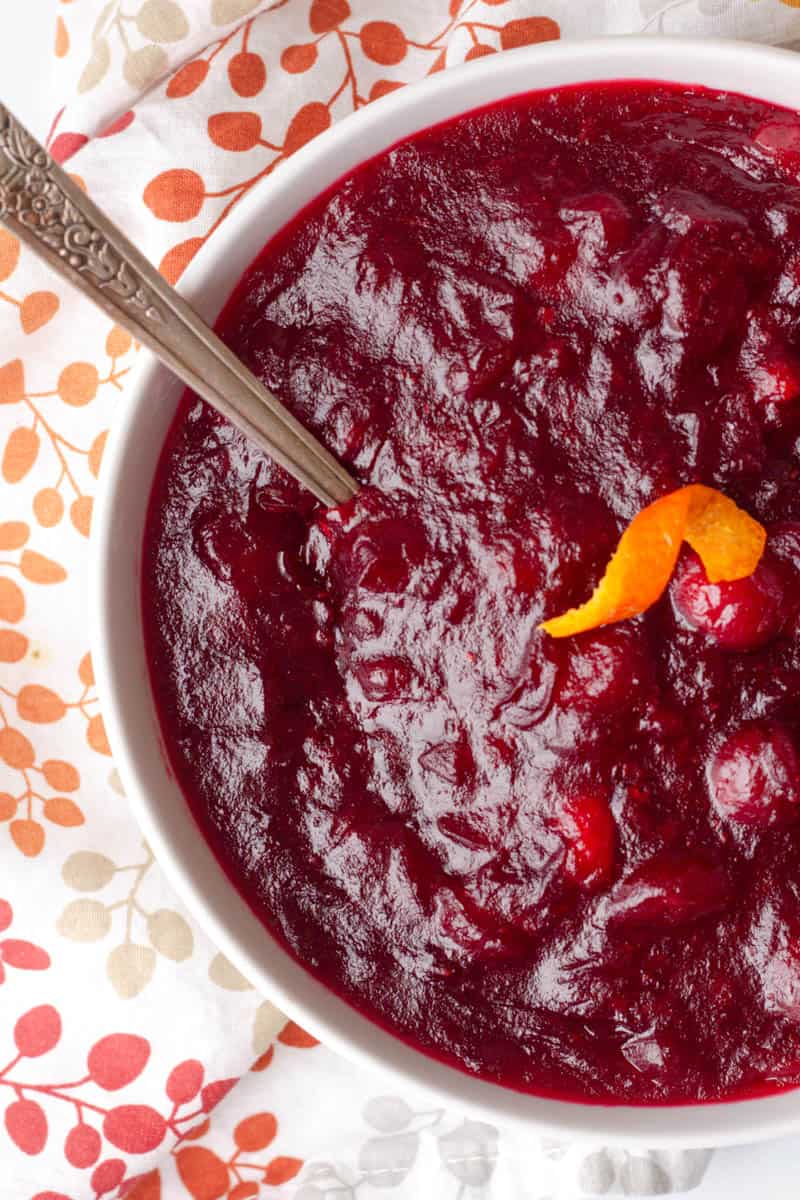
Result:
[{"x": 49, "y": 212}]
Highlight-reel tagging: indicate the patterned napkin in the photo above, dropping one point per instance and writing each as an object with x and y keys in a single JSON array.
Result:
[{"x": 122, "y": 1028}]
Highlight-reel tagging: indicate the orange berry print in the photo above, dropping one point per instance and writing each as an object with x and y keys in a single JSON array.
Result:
[
  {"x": 247, "y": 73},
  {"x": 9, "y": 254},
  {"x": 80, "y": 513},
  {"x": 61, "y": 776},
  {"x": 256, "y": 1132},
  {"x": 529, "y": 30},
  {"x": 86, "y": 671},
  {"x": 235, "y": 131},
  {"x": 325, "y": 15},
  {"x": 118, "y": 342},
  {"x": 39, "y": 704},
  {"x": 61, "y": 46},
  {"x": 382, "y": 87},
  {"x": 20, "y": 453},
  {"x": 13, "y": 646},
  {"x": 8, "y": 806},
  {"x": 384, "y": 42},
  {"x": 28, "y": 836},
  {"x": 39, "y": 569},
  {"x": 13, "y": 534},
  {"x": 175, "y": 195},
  {"x": 96, "y": 450},
  {"x": 202, "y": 1172},
  {"x": 176, "y": 260},
  {"x": 243, "y": 1191},
  {"x": 37, "y": 309},
  {"x": 311, "y": 119},
  {"x": 187, "y": 79},
  {"x": 48, "y": 507},
  {"x": 282, "y": 1169},
  {"x": 63, "y": 811},
  {"x": 479, "y": 51},
  {"x": 197, "y": 1131},
  {"x": 299, "y": 58},
  {"x": 78, "y": 383},
  {"x": 264, "y": 1060},
  {"x": 12, "y": 601},
  {"x": 96, "y": 736},
  {"x": 293, "y": 1035},
  {"x": 15, "y": 749},
  {"x": 12, "y": 382}
]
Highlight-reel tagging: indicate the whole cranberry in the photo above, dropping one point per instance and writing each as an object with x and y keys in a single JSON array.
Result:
[
  {"x": 754, "y": 777},
  {"x": 604, "y": 670},
  {"x": 740, "y": 615},
  {"x": 589, "y": 832}
]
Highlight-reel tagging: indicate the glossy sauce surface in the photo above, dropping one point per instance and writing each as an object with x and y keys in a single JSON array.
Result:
[{"x": 569, "y": 866}]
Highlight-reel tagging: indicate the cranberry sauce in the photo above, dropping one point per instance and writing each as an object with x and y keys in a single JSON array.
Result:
[{"x": 569, "y": 866}]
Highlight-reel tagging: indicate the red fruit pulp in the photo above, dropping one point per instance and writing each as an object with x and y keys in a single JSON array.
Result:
[{"x": 517, "y": 329}]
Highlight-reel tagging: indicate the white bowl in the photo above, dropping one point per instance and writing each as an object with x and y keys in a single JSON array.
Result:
[{"x": 118, "y": 650}]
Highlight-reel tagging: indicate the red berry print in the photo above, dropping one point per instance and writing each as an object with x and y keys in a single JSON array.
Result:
[
  {"x": 116, "y": 1060},
  {"x": 82, "y": 1147},
  {"x": 27, "y": 1126},
  {"x": 119, "y": 125},
  {"x": 67, "y": 144},
  {"x": 37, "y": 1031},
  {"x": 185, "y": 1081},
  {"x": 134, "y": 1128},
  {"x": 108, "y": 1175},
  {"x": 212, "y": 1093},
  {"x": 24, "y": 955},
  {"x": 244, "y": 1190}
]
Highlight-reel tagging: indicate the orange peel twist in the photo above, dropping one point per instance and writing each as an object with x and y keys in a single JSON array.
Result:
[{"x": 728, "y": 540}]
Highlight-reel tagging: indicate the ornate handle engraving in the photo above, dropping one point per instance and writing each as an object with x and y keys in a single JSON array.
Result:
[
  {"x": 49, "y": 212},
  {"x": 35, "y": 192}
]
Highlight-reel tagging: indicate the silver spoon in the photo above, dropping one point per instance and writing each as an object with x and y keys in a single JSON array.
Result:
[{"x": 46, "y": 210}]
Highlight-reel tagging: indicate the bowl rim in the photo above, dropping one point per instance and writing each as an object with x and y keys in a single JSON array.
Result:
[{"x": 115, "y": 567}]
